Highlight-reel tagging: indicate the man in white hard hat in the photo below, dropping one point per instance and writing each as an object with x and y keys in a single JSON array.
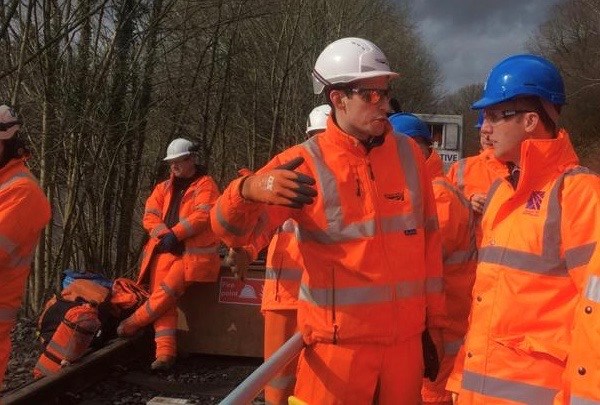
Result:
[
  {"x": 182, "y": 247},
  {"x": 367, "y": 232},
  {"x": 282, "y": 282},
  {"x": 24, "y": 212}
]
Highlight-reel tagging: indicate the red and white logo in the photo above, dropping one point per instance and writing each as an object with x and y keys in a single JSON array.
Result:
[{"x": 235, "y": 291}]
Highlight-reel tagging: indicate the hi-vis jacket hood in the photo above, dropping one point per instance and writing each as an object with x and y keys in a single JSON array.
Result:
[
  {"x": 369, "y": 242},
  {"x": 536, "y": 246}
]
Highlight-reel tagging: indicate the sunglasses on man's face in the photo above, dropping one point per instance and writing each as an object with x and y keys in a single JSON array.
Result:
[{"x": 371, "y": 96}]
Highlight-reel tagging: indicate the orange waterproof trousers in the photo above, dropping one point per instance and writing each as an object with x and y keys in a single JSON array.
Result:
[
  {"x": 361, "y": 373},
  {"x": 167, "y": 284},
  {"x": 280, "y": 325}
]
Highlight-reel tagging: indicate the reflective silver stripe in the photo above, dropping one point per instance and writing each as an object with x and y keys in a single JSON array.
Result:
[
  {"x": 490, "y": 194},
  {"x": 452, "y": 347},
  {"x": 506, "y": 389},
  {"x": 226, "y": 225},
  {"x": 356, "y": 230},
  {"x": 360, "y": 295},
  {"x": 62, "y": 351},
  {"x": 43, "y": 369},
  {"x": 292, "y": 274},
  {"x": 282, "y": 382},
  {"x": 165, "y": 332},
  {"x": 409, "y": 167},
  {"x": 7, "y": 245},
  {"x": 157, "y": 230},
  {"x": 203, "y": 207},
  {"x": 434, "y": 285},
  {"x": 202, "y": 250},
  {"x": 592, "y": 289},
  {"x": 154, "y": 211},
  {"x": 580, "y": 255},
  {"x": 522, "y": 260},
  {"x": 453, "y": 190},
  {"x": 397, "y": 223},
  {"x": 16, "y": 177},
  {"x": 460, "y": 175},
  {"x": 168, "y": 290},
  {"x": 575, "y": 400},
  {"x": 189, "y": 229},
  {"x": 459, "y": 257},
  {"x": 8, "y": 314},
  {"x": 549, "y": 261}
]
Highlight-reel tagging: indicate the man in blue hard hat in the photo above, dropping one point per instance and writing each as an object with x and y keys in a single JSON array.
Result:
[{"x": 539, "y": 229}]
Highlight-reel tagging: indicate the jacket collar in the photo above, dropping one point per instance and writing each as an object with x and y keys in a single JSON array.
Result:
[
  {"x": 544, "y": 159},
  {"x": 334, "y": 134}
]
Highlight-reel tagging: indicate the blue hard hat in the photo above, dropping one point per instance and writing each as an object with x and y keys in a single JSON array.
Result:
[
  {"x": 411, "y": 125},
  {"x": 479, "y": 119},
  {"x": 522, "y": 75}
]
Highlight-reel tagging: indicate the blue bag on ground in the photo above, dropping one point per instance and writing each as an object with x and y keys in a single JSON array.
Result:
[{"x": 69, "y": 275}]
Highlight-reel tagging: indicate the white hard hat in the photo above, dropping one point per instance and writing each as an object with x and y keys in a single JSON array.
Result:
[
  {"x": 9, "y": 123},
  {"x": 177, "y": 148},
  {"x": 317, "y": 119},
  {"x": 347, "y": 60}
]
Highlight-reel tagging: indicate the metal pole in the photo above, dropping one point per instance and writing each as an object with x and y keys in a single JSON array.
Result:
[{"x": 249, "y": 388}]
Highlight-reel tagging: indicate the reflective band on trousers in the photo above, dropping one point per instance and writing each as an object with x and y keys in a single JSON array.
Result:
[
  {"x": 337, "y": 231},
  {"x": 293, "y": 274},
  {"x": 592, "y": 289},
  {"x": 369, "y": 294},
  {"x": 549, "y": 261},
  {"x": 583, "y": 401},
  {"x": 507, "y": 389}
]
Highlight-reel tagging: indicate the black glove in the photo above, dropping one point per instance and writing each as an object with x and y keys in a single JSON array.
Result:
[
  {"x": 430, "y": 357},
  {"x": 169, "y": 244}
]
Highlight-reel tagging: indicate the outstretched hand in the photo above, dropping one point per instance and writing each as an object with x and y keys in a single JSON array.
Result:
[{"x": 281, "y": 186}]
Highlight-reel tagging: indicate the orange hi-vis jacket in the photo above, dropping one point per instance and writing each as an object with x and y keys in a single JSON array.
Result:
[
  {"x": 475, "y": 174},
  {"x": 457, "y": 226},
  {"x": 200, "y": 259},
  {"x": 583, "y": 366},
  {"x": 369, "y": 242},
  {"x": 284, "y": 270},
  {"x": 537, "y": 243},
  {"x": 24, "y": 212}
]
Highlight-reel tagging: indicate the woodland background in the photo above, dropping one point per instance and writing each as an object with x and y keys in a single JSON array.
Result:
[{"x": 104, "y": 85}]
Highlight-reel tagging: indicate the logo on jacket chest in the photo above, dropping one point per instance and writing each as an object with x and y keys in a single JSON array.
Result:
[{"x": 534, "y": 202}]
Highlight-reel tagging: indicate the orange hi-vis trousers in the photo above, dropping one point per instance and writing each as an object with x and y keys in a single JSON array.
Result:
[
  {"x": 280, "y": 325},
  {"x": 167, "y": 284},
  {"x": 361, "y": 373}
]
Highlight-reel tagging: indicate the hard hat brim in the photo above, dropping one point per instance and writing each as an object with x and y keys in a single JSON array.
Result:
[
  {"x": 318, "y": 86},
  {"x": 178, "y": 155}
]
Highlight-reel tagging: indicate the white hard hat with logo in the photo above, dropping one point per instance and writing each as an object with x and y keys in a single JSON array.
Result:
[
  {"x": 9, "y": 122},
  {"x": 317, "y": 119},
  {"x": 347, "y": 60},
  {"x": 178, "y": 148}
]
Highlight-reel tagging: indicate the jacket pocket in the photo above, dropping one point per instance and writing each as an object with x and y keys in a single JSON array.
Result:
[{"x": 536, "y": 346}]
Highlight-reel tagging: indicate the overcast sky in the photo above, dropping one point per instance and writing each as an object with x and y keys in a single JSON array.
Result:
[{"x": 468, "y": 37}]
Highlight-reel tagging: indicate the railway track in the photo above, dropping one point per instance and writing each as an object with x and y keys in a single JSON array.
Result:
[{"x": 119, "y": 374}]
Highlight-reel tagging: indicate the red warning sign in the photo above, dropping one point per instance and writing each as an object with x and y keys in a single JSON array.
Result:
[{"x": 247, "y": 292}]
